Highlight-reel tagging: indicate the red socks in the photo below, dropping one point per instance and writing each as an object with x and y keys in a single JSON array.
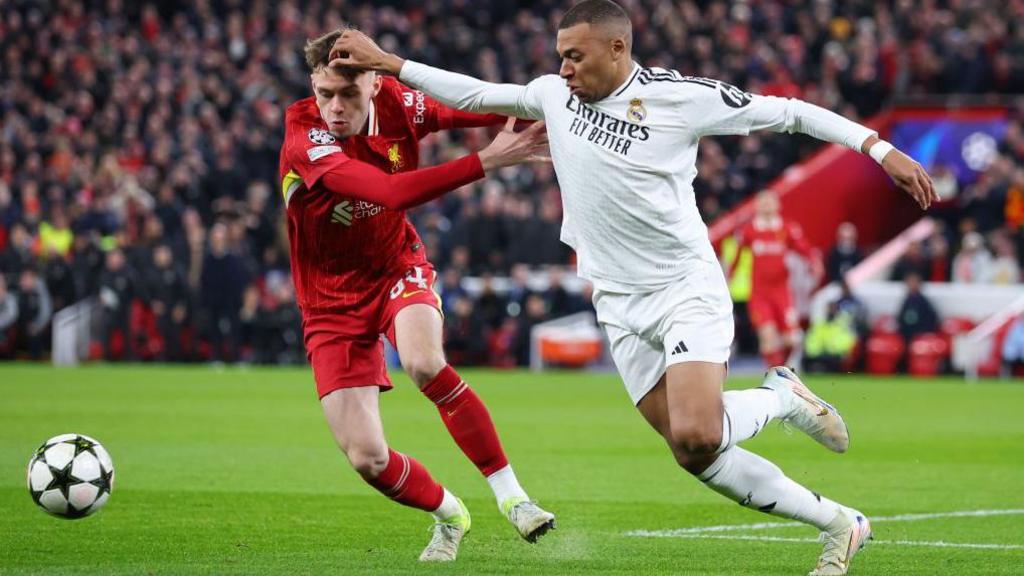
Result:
[
  {"x": 467, "y": 420},
  {"x": 407, "y": 482}
]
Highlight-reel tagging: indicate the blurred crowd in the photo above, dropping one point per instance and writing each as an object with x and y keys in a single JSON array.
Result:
[
  {"x": 980, "y": 232},
  {"x": 978, "y": 238},
  {"x": 139, "y": 143}
]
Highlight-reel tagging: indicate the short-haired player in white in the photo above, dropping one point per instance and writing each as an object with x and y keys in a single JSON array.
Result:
[{"x": 623, "y": 141}]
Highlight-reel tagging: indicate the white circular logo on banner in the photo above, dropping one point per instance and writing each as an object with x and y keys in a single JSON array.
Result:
[{"x": 979, "y": 150}]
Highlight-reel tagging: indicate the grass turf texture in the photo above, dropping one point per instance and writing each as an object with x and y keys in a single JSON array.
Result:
[{"x": 234, "y": 472}]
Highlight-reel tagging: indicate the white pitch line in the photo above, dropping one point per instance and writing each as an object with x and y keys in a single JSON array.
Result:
[
  {"x": 936, "y": 544},
  {"x": 682, "y": 532}
]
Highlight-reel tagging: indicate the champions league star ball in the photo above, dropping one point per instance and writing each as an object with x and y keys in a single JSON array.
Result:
[{"x": 70, "y": 476}]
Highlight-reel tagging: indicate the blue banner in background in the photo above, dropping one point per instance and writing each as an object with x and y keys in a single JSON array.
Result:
[{"x": 967, "y": 147}]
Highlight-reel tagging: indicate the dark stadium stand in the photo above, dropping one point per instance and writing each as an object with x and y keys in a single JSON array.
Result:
[{"x": 128, "y": 130}]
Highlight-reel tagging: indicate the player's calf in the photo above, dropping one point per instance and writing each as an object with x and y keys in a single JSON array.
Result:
[
  {"x": 467, "y": 420},
  {"x": 461, "y": 410},
  {"x": 407, "y": 482},
  {"x": 470, "y": 425}
]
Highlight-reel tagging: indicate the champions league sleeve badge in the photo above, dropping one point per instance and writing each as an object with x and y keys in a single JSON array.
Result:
[
  {"x": 636, "y": 112},
  {"x": 319, "y": 136}
]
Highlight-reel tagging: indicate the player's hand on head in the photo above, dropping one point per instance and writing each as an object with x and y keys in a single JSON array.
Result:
[
  {"x": 357, "y": 50},
  {"x": 911, "y": 177},
  {"x": 510, "y": 147}
]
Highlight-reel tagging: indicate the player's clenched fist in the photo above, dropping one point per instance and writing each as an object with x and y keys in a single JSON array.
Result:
[{"x": 357, "y": 50}]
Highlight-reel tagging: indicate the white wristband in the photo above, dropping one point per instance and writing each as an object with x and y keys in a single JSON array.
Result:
[{"x": 879, "y": 149}]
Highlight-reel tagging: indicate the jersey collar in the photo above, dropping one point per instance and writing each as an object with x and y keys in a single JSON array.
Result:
[
  {"x": 372, "y": 123},
  {"x": 628, "y": 81}
]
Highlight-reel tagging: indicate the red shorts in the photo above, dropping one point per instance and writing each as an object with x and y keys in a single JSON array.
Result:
[
  {"x": 346, "y": 349},
  {"x": 773, "y": 309}
]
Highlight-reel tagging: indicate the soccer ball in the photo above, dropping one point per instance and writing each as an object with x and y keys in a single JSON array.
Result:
[{"x": 70, "y": 476}]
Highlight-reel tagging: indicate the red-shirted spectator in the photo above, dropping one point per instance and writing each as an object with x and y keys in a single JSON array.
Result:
[{"x": 770, "y": 238}]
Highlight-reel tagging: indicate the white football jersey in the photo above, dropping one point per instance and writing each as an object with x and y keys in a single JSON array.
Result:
[{"x": 626, "y": 163}]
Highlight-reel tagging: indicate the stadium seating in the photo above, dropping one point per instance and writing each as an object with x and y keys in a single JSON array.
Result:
[
  {"x": 198, "y": 145},
  {"x": 927, "y": 355},
  {"x": 884, "y": 352},
  {"x": 955, "y": 326}
]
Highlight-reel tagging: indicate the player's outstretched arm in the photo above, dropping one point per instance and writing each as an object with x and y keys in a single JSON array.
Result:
[
  {"x": 452, "y": 118},
  {"x": 355, "y": 49},
  {"x": 826, "y": 125},
  {"x": 728, "y": 110},
  {"x": 796, "y": 241},
  {"x": 430, "y": 116},
  {"x": 362, "y": 181}
]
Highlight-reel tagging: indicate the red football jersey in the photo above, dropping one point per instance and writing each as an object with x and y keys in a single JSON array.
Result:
[
  {"x": 769, "y": 242},
  {"x": 341, "y": 247}
]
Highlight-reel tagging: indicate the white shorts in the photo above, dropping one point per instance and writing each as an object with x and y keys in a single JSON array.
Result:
[{"x": 688, "y": 321}]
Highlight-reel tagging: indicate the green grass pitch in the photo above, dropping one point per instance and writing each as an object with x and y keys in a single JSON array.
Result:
[{"x": 234, "y": 472}]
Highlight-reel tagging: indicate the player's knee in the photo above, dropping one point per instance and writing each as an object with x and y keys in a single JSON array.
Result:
[
  {"x": 368, "y": 463},
  {"x": 695, "y": 440},
  {"x": 423, "y": 367},
  {"x": 695, "y": 464}
]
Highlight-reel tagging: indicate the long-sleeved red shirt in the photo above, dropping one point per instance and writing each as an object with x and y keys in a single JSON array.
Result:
[
  {"x": 345, "y": 201},
  {"x": 769, "y": 242}
]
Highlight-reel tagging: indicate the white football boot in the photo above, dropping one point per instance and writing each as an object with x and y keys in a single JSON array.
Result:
[
  {"x": 530, "y": 520},
  {"x": 806, "y": 412},
  {"x": 846, "y": 535},
  {"x": 444, "y": 545}
]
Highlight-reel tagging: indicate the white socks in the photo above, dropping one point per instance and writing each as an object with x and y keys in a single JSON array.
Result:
[
  {"x": 505, "y": 485},
  {"x": 746, "y": 413},
  {"x": 448, "y": 509},
  {"x": 756, "y": 483}
]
